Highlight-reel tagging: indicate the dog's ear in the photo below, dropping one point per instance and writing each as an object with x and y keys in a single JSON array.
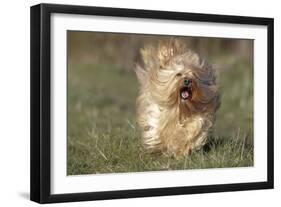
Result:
[
  {"x": 141, "y": 74},
  {"x": 149, "y": 57}
]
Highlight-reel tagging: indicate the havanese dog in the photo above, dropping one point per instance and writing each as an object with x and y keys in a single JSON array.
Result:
[{"x": 178, "y": 98}]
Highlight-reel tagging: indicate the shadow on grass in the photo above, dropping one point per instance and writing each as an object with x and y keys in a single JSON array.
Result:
[{"x": 213, "y": 143}]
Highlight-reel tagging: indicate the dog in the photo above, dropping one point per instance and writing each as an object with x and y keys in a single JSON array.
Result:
[{"x": 178, "y": 98}]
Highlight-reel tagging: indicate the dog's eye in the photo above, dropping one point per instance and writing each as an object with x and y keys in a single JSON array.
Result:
[{"x": 178, "y": 74}]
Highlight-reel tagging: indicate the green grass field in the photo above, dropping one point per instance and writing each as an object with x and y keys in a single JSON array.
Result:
[{"x": 103, "y": 136}]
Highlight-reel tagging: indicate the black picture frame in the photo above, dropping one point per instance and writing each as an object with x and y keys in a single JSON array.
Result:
[{"x": 41, "y": 99}]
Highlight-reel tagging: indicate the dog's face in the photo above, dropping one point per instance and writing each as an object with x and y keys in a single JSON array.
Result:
[{"x": 179, "y": 78}]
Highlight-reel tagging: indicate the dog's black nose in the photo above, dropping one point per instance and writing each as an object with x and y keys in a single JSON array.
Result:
[{"x": 187, "y": 82}]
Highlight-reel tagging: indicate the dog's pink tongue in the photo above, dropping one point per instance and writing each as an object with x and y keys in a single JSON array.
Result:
[{"x": 184, "y": 94}]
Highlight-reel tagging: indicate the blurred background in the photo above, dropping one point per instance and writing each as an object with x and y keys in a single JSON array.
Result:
[{"x": 102, "y": 88}]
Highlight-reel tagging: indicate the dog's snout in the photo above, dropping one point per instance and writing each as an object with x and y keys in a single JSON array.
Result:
[{"x": 187, "y": 82}]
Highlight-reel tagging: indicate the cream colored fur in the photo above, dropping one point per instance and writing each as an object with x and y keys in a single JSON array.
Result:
[{"x": 170, "y": 124}]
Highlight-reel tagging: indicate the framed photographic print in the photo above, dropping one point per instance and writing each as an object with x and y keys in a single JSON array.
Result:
[{"x": 133, "y": 103}]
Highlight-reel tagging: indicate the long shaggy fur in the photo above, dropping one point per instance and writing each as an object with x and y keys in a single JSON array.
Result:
[{"x": 169, "y": 123}]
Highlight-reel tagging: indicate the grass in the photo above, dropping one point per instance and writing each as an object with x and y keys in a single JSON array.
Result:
[{"x": 103, "y": 136}]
